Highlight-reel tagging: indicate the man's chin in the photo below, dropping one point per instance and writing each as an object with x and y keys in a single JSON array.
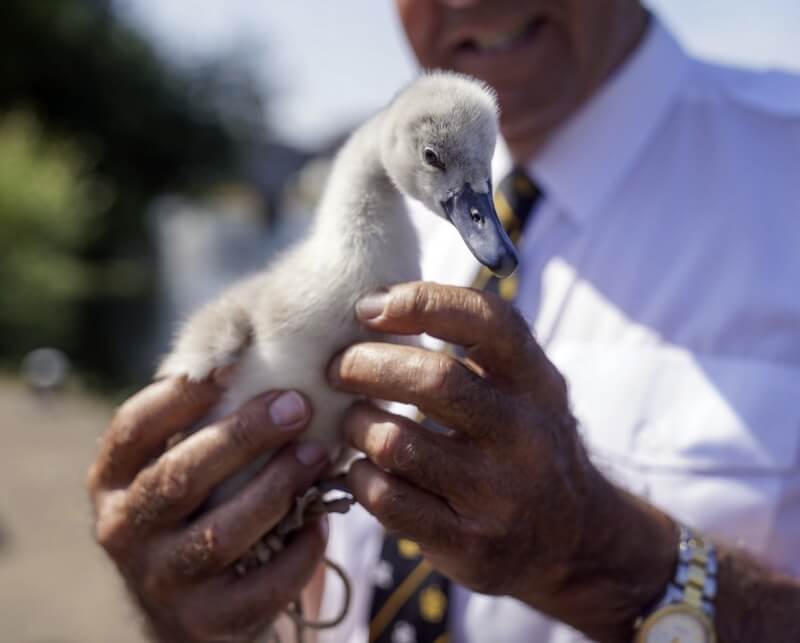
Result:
[{"x": 525, "y": 127}]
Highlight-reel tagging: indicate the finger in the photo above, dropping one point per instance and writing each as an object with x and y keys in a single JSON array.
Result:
[
  {"x": 218, "y": 538},
  {"x": 231, "y": 606},
  {"x": 294, "y": 566},
  {"x": 402, "y": 508},
  {"x": 143, "y": 424},
  {"x": 495, "y": 335},
  {"x": 182, "y": 478},
  {"x": 396, "y": 444},
  {"x": 438, "y": 384}
]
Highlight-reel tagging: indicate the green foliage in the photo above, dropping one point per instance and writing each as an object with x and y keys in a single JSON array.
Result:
[
  {"x": 93, "y": 126},
  {"x": 48, "y": 206}
]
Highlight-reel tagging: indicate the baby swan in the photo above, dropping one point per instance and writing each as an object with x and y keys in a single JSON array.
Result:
[
  {"x": 283, "y": 325},
  {"x": 434, "y": 143}
]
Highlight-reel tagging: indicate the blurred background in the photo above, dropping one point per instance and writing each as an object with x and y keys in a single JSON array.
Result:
[{"x": 150, "y": 152}]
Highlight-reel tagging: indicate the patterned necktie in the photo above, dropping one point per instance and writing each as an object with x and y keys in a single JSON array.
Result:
[
  {"x": 514, "y": 199},
  {"x": 410, "y": 599}
]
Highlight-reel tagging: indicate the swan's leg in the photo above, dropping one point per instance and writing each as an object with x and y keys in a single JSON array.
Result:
[
  {"x": 213, "y": 337},
  {"x": 309, "y": 506}
]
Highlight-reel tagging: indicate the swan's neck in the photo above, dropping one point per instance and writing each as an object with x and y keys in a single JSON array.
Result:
[{"x": 360, "y": 203}]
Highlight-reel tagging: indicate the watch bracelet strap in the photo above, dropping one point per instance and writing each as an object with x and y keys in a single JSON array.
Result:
[
  {"x": 694, "y": 583},
  {"x": 695, "y": 580}
]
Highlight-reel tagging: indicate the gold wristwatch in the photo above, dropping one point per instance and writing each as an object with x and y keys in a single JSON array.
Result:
[{"x": 685, "y": 614}]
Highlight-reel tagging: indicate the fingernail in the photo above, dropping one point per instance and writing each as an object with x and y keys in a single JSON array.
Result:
[
  {"x": 372, "y": 305},
  {"x": 287, "y": 409},
  {"x": 309, "y": 453}
]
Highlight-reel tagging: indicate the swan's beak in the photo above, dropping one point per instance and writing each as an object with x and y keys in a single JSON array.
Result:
[{"x": 474, "y": 216}]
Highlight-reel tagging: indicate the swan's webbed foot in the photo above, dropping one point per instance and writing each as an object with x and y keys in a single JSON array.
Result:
[{"x": 310, "y": 505}]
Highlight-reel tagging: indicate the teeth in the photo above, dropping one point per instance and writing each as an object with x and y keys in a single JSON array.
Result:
[{"x": 496, "y": 42}]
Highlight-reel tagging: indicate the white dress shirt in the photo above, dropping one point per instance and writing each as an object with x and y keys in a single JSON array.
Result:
[{"x": 661, "y": 273}]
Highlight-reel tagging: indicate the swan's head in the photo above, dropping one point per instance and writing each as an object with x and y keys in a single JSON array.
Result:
[{"x": 437, "y": 147}]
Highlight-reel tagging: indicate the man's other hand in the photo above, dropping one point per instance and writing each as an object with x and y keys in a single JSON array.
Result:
[
  {"x": 506, "y": 502},
  {"x": 176, "y": 555}
]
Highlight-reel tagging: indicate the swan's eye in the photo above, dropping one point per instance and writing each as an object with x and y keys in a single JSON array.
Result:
[{"x": 432, "y": 158}]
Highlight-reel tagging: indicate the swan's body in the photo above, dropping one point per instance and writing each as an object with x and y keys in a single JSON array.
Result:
[{"x": 283, "y": 325}]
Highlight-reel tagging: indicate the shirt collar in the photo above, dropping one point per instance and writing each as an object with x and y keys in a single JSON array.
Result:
[{"x": 590, "y": 154}]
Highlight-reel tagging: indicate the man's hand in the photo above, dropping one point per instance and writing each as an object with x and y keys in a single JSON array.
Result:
[
  {"x": 507, "y": 502},
  {"x": 177, "y": 557}
]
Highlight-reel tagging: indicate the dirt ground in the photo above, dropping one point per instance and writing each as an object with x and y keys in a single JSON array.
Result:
[{"x": 55, "y": 584}]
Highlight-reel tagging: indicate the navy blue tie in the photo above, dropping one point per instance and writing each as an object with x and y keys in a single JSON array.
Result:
[{"x": 410, "y": 599}]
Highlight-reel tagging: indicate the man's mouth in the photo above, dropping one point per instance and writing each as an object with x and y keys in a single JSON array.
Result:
[{"x": 504, "y": 41}]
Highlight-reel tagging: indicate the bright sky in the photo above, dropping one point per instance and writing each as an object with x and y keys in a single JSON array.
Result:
[{"x": 332, "y": 63}]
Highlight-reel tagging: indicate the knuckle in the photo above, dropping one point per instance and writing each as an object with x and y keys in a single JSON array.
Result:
[
  {"x": 409, "y": 301},
  {"x": 200, "y": 554},
  {"x": 439, "y": 375},
  {"x": 122, "y": 414},
  {"x": 188, "y": 392},
  {"x": 162, "y": 489},
  {"x": 501, "y": 315},
  {"x": 352, "y": 363},
  {"x": 241, "y": 431},
  {"x": 281, "y": 481},
  {"x": 497, "y": 313},
  {"x": 519, "y": 338},
  {"x": 482, "y": 306},
  {"x": 112, "y": 529},
  {"x": 391, "y": 506},
  {"x": 498, "y": 416},
  {"x": 172, "y": 483},
  {"x": 125, "y": 429},
  {"x": 406, "y": 455},
  {"x": 109, "y": 532},
  {"x": 274, "y": 496},
  {"x": 393, "y": 450}
]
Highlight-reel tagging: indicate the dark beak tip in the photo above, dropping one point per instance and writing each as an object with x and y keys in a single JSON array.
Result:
[
  {"x": 485, "y": 237},
  {"x": 506, "y": 267}
]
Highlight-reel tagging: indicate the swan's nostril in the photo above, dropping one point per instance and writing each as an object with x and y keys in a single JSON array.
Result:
[{"x": 475, "y": 215}]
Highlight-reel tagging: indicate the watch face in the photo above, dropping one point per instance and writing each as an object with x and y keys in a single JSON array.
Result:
[{"x": 676, "y": 625}]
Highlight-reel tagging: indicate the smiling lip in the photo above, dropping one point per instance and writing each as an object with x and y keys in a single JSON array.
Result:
[
  {"x": 496, "y": 43},
  {"x": 504, "y": 58}
]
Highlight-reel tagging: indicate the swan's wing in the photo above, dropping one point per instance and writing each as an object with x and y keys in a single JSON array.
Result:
[{"x": 213, "y": 337}]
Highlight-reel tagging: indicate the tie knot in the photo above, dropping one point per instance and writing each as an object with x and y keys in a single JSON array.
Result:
[
  {"x": 522, "y": 183},
  {"x": 514, "y": 199}
]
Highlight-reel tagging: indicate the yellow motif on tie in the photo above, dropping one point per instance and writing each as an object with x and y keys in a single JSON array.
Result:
[
  {"x": 432, "y": 604},
  {"x": 523, "y": 185},
  {"x": 407, "y": 548},
  {"x": 507, "y": 288},
  {"x": 505, "y": 213}
]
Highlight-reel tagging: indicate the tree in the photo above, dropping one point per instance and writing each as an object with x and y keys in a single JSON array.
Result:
[{"x": 95, "y": 126}]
